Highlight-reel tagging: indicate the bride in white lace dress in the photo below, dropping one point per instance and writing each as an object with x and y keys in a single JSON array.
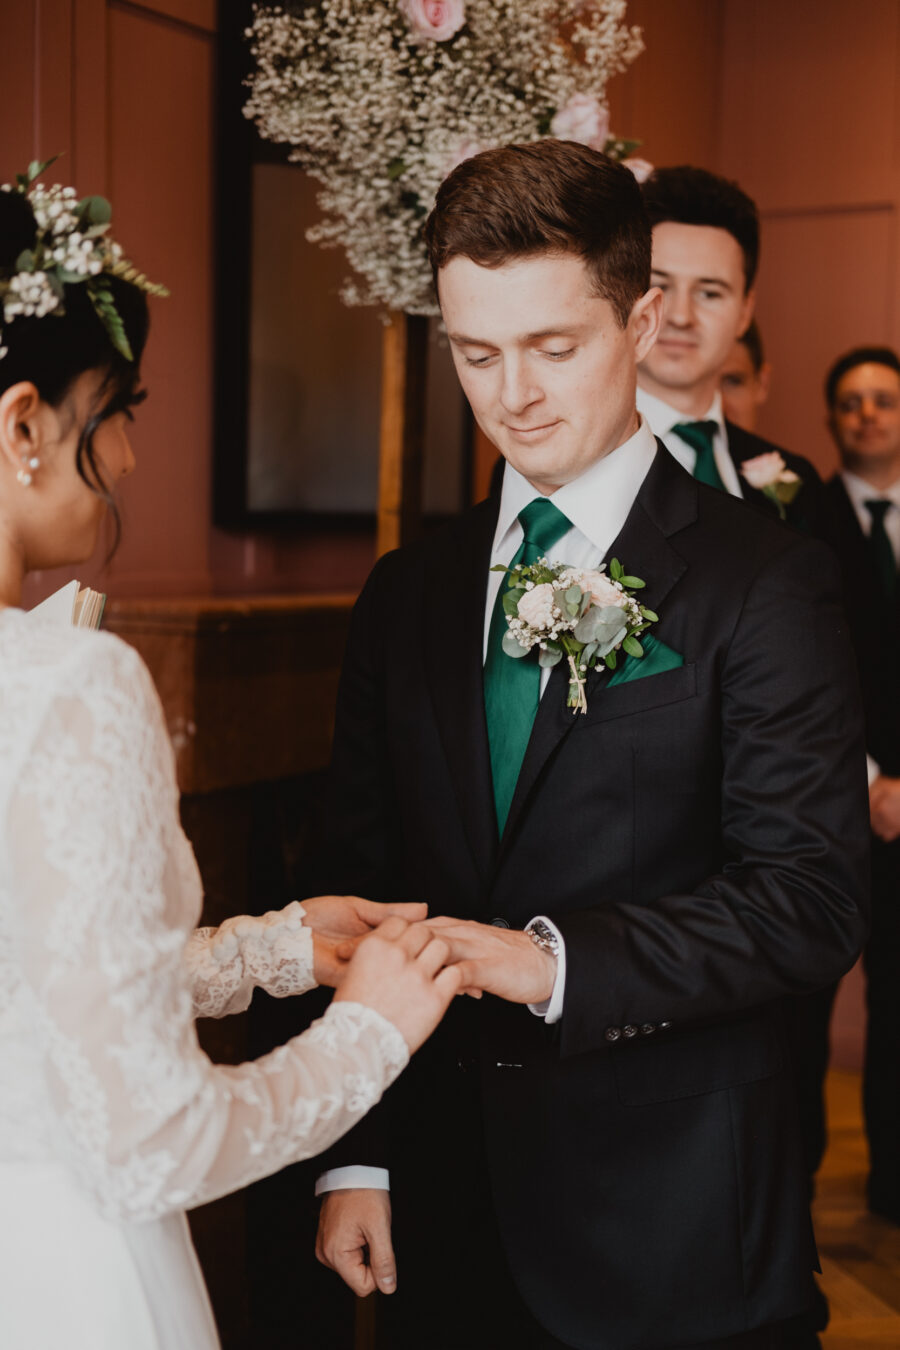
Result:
[{"x": 113, "y": 1121}]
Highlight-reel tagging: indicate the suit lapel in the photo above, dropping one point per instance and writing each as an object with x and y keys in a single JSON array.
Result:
[
  {"x": 453, "y": 650},
  {"x": 666, "y": 503}
]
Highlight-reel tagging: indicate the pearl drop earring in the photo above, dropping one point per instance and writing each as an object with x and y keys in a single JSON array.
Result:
[{"x": 26, "y": 473}]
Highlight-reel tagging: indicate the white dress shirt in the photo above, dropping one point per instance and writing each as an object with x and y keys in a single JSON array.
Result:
[
  {"x": 662, "y": 418},
  {"x": 597, "y": 504},
  {"x": 859, "y": 492}
]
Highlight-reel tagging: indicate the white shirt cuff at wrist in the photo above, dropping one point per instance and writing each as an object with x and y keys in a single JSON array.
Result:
[
  {"x": 353, "y": 1178},
  {"x": 552, "y": 1008},
  {"x": 872, "y": 769}
]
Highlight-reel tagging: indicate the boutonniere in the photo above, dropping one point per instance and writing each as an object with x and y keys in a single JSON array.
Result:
[
  {"x": 770, "y": 475},
  {"x": 580, "y": 614}
]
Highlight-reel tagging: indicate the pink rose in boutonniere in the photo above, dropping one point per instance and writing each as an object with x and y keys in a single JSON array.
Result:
[
  {"x": 434, "y": 20},
  {"x": 582, "y": 614},
  {"x": 770, "y": 475},
  {"x": 583, "y": 119}
]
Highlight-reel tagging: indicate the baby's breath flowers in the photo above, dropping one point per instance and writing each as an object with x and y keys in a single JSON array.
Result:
[
  {"x": 71, "y": 246},
  {"x": 379, "y": 101},
  {"x": 581, "y": 614}
]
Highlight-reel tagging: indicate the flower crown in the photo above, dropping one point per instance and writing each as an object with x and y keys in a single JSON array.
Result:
[{"x": 72, "y": 248}]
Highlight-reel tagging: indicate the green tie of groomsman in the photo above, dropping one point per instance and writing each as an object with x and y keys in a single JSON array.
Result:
[
  {"x": 881, "y": 548},
  {"x": 699, "y": 435}
]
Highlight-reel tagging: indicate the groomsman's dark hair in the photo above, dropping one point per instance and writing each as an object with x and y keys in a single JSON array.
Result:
[
  {"x": 690, "y": 196},
  {"x": 859, "y": 356},
  {"x": 521, "y": 201}
]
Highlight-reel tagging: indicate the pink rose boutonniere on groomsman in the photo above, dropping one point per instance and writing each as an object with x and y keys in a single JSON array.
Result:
[
  {"x": 770, "y": 475},
  {"x": 434, "y": 20}
]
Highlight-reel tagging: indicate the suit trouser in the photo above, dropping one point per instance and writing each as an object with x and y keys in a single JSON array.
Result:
[{"x": 809, "y": 1021}]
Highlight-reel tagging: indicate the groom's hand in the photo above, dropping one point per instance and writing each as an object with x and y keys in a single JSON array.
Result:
[
  {"x": 501, "y": 961},
  {"x": 339, "y": 922},
  {"x": 354, "y": 1238}
]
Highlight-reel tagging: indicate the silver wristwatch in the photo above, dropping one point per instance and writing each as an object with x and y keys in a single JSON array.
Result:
[{"x": 543, "y": 936}]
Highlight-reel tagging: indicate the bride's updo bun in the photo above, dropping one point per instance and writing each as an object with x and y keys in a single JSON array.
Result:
[{"x": 52, "y": 351}]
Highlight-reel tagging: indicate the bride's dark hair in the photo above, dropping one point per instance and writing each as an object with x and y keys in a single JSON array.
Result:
[{"x": 53, "y": 351}]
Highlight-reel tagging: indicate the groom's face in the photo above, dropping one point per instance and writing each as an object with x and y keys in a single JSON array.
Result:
[{"x": 544, "y": 362}]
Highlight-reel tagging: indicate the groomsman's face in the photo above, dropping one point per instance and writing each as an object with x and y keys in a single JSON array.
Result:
[
  {"x": 865, "y": 419},
  {"x": 548, "y": 369},
  {"x": 700, "y": 271}
]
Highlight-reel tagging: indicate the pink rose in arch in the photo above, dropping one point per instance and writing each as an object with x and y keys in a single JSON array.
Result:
[
  {"x": 434, "y": 20},
  {"x": 583, "y": 119}
]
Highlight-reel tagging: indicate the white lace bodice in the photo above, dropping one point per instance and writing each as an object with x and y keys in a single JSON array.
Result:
[{"x": 102, "y": 973}]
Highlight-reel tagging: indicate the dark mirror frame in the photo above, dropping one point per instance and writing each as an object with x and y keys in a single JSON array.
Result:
[{"x": 238, "y": 147}]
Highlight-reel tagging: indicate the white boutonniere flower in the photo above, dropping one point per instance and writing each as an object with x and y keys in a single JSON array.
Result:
[
  {"x": 581, "y": 614},
  {"x": 770, "y": 475}
]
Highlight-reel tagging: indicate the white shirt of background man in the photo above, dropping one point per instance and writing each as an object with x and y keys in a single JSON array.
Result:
[{"x": 662, "y": 418}]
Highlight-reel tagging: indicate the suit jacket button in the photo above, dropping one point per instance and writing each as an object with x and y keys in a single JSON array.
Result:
[
  {"x": 499, "y": 923},
  {"x": 612, "y": 1033},
  {"x": 629, "y": 1031},
  {"x": 647, "y": 1029},
  {"x": 664, "y": 1026}
]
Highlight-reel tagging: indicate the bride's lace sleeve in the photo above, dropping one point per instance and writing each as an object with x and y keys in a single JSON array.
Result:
[
  {"x": 271, "y": 951},
  {"x": 106, "y": 895}
]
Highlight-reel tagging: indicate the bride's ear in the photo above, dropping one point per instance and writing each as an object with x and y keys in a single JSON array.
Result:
[{"x": 21, "y": 425}]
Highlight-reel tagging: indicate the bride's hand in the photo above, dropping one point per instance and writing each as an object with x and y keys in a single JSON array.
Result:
[
  {"x": 339, "y": 922},
  {"x": 399, "y": 971}
]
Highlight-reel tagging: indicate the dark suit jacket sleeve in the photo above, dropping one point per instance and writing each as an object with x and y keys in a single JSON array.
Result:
[
  {"x": 788, "y": 911},
  {"x": 355, "y": 854}
]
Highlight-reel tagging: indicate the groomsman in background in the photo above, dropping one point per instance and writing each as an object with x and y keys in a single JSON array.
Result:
[
  {"x": 861, "y": 521},
  {"x": 705, "y": 256},
  {"x": 744, "y": 380}
]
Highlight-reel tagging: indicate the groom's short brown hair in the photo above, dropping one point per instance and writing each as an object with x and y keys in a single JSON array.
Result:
[{"x": 549, "y": 197}]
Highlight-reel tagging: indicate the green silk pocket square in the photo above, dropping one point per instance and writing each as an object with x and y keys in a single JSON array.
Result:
[{"x": 657, "y": 658}]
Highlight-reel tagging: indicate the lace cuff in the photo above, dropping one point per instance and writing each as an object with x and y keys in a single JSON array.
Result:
[
  {"x": 273, "y": 952},
  {"x": 346, "y": 1023}
]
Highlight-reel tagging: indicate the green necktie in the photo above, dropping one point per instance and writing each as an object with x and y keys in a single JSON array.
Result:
[
  {"x": 881, "y": 549},
  {"x": 512, "y": 688},
  {"x": 699, "y": 436}
]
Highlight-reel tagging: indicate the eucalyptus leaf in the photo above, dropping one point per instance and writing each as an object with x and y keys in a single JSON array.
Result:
[
  {"x": 95, "y": 210},
  {"x": 597, "y": 624},
  {"x": 585, "y": 602},
  {"x": 510, "y": 600},
  {"x": 71, "y": 278},
  {"x": 632, "y": 646},
  {"x": 511, "y": 647},
  {"x": 606, "y": 645},
  {"x": 499, "y": 567},
  {"x": 550, "y": 658},
  {"x": 25, "y": 261},
  {"x": 37, "y": 167},
  {"x": 588, "y": 654}
]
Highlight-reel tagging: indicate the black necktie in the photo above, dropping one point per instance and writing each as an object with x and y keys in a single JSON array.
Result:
[
  {"x": 881, "y": 550},
  {"x": 699, "y": 435}
]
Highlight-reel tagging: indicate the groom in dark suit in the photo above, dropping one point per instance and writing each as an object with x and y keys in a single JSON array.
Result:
[
  {"x": 601, "y": 1153},
  {"x": 705, "y": 261}
]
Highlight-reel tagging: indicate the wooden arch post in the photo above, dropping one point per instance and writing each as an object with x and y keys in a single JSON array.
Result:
[{"x": 404, "y": 370}]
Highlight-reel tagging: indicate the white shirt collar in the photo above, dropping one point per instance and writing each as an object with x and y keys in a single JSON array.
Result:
[
  {"x": 859, "y": 491},
  {"x": 597, "y": 503},
  {"x": 663, "y": 417}
]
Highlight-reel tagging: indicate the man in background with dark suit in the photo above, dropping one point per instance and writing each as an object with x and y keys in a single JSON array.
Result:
[
  {"x": 705, "y": 258},
  {"x": 861, "y": 521},
  {"x": 744, "y": 380}
]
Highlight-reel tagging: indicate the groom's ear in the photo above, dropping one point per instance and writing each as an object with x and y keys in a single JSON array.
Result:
[{"x": 645, "y": 320}]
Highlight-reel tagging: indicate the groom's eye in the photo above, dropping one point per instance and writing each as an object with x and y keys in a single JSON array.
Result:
[
  {"x": 558, "y": 356},
  {"x": 478, "y": 360}
]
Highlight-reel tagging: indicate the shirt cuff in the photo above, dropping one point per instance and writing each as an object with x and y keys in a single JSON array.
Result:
[
  {"x": 353, "y": 1178},
  {"x": 552, "y": 1008},
  {"x": 872, "y": 769}
]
